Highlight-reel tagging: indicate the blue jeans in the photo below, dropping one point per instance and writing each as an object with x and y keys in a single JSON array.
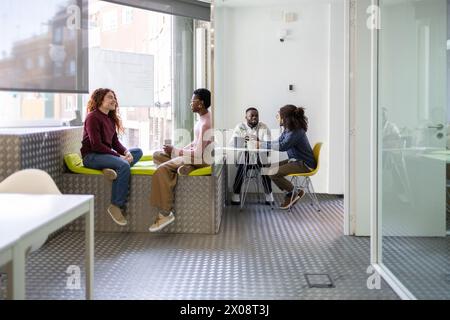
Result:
[{"x": 121, "y": 185}]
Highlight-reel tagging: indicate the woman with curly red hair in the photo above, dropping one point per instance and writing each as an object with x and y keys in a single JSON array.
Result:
[{"x": 102, "y": 150}]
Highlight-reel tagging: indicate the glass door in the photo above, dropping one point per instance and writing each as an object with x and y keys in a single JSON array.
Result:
[{"x": 412, "y": 144}]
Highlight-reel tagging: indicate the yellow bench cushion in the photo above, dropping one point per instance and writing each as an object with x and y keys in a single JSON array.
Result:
[
  {"x": 75, "y": 164},
  {"x": 144, "y": 167},
  {"x": 206, "y": 171}
]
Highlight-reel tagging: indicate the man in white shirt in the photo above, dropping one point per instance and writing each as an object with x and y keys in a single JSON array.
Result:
[{"x": 251, "y": 130}]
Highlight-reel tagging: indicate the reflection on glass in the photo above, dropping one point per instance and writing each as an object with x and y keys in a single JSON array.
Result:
[
  {"x": 146, "y": 57},
  {"x": 44, "y": 45},
  {"x": 395, "y": 175},
  {"x": 413, "y": 144},
  {"x": 137, "y": 45}
]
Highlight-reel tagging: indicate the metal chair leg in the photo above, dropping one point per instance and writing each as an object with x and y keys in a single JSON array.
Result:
[
  {"x": 294, "y": 182},
  {"x": 244, "y": 191},
  {"x": 313, "y": 196},
  {"x": 307, "y": 186},
  {"x": 257, "y": 181},
  {"x": 298, "y": 186}
]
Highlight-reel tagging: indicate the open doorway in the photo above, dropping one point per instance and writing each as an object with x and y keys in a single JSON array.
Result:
[{"x": 272, "y": 53}]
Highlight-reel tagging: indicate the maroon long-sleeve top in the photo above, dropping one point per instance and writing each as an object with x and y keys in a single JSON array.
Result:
[{"x": 100, "y": 136}]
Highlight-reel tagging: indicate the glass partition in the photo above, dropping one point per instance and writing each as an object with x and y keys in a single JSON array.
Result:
[{"x": 412, "y": 144}]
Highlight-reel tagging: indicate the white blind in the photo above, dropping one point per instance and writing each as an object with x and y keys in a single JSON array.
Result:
[{"x": 187, "y": 8}]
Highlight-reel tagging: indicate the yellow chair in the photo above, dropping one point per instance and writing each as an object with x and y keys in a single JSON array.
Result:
[{"x": 302, "y": 181}]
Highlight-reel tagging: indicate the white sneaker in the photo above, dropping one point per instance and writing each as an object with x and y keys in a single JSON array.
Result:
[
  {"x": 236, "y": 199},
  {"x": 269, "y": 198},
  {"x": 161, "y": 222}
]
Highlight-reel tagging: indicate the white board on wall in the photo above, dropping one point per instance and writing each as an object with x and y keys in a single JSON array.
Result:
[{"x": 130, "y": 75}]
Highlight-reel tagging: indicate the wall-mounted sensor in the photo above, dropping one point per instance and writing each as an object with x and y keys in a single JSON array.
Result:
[
  {"x": 282, "y": 34},
  {"x": 291, "y": 87}
]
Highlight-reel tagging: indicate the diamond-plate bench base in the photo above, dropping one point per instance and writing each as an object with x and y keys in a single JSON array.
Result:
[{"x": 199, "y": 202}]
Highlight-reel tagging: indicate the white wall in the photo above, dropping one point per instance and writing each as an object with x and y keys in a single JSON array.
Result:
[
  {"x": 338, "y": 96},
  {"x": 253, "y": 68},
  {"x": 360, "y": 125}
]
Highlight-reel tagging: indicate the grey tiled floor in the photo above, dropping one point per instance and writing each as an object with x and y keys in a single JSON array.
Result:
[
  {"x": 422, "y": 264},
  {"x": 258, "y": 254}
]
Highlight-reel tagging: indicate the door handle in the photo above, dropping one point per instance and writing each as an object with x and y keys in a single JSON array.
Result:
[{"x": 439, "y": 127}]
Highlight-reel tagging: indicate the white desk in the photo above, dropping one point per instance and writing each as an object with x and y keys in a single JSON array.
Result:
[
  {"x": 6, "y": 244},
  {"x": 414, "y": 191},
  {"x": 26, "y": 218}
]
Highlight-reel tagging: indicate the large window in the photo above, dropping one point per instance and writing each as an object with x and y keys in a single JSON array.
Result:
[
  {"x": 25, "y": 109},
  {"x": 146, "y": 57},
  {"x": 43, "y": 45},
  {"x": 134, "y": 58}
]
